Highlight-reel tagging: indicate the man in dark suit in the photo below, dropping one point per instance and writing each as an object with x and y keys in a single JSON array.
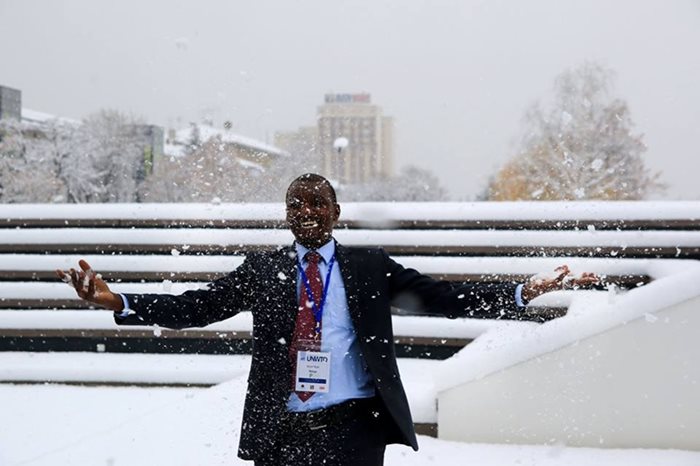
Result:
[{"x": 324, "y": 386}]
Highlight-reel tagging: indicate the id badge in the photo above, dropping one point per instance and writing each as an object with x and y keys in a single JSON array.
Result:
[{"x": 313, "y": 371}]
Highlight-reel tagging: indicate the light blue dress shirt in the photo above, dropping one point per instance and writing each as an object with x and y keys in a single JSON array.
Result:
[{"x": 349, "y": 377}]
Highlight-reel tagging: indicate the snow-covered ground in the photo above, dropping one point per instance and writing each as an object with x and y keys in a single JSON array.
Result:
[{"x": 115, "y": 426}]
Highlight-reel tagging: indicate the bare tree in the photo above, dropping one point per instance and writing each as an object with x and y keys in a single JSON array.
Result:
[
  {"x": 12, "y": 157},
  {"x": 26, "y": 164},
  {"x": 583, "y": 147},
  {"x": 98, "y": 160},
  {"x": 112, "y": 154}
]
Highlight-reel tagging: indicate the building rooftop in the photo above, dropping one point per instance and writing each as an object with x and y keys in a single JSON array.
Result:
[{"x": 206, "y": 132}]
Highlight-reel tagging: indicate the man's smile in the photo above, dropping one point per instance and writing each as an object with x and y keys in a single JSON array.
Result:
[{"x": 312, "y": 212}]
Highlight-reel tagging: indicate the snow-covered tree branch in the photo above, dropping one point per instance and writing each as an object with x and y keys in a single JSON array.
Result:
[{"x": 583, "y": 147}]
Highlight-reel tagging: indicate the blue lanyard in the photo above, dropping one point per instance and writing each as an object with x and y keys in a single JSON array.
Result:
[{"x": 318, "y": 310}]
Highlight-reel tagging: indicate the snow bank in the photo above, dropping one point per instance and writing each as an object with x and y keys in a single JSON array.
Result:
[{"x": 589, "y": 314}]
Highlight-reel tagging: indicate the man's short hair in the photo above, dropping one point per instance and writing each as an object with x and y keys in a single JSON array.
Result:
[{"x": 314, "y": 178}]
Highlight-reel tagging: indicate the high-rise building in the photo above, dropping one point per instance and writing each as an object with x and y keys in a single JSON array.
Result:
[
  {"x": 355, "y": 140},
  {"x": 10, "y": 103}
]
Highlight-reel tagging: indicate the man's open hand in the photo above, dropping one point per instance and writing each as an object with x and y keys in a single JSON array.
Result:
[
  {"x": 563, "y": 281},
  {"x": 90, "y": 286}
]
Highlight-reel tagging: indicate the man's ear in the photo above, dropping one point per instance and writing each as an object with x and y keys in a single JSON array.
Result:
[{"x": 337, "y": 212}]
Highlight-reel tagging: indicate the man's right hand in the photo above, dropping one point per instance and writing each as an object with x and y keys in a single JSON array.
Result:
[{"x": 91, "y": 287}]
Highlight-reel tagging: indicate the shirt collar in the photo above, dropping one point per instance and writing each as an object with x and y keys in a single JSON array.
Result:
[{"x": 327, "y": 251}]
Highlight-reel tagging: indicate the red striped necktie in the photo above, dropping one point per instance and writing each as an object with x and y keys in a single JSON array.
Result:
[{"x": 306, "y": 338}]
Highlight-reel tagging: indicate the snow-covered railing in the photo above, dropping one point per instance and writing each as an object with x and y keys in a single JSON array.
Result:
[
  {"x": 542, "y": 243},
  {"x": 94, "y": 330},
  {"x": 676, "y": 215}
]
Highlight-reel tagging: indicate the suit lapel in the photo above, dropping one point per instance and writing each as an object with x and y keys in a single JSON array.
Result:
[
  {"x": 348, "y": 270},
  {"x": 288, "y": 300}
]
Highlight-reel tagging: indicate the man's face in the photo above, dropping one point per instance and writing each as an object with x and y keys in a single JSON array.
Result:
[{"x": 311, "y": 213}]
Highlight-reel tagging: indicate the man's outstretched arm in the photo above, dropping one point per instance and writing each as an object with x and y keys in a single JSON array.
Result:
[
  {"x": 221, "y": 299},
  {"x": 417, "y": 292}
]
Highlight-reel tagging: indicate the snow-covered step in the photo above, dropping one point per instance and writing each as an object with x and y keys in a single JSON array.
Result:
[
  {"x": 153, "y": 267},
  {"x": 591, "y": 242},
  {"x": 416, "y": 327},
  {"x": 95, "y": 331}
]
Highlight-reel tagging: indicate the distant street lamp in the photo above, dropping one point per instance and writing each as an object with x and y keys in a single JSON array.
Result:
[
  {"x": 341, "y": 163},
  {"x": 339, "y": 144}
]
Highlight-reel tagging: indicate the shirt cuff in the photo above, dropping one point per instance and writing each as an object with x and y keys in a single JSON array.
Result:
[
  {"x": 127, "y": 311},
  {"x": 519, "y": 296}
]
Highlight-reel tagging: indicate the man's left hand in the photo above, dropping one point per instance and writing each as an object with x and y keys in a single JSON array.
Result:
[{"x": 563, "y": 281}]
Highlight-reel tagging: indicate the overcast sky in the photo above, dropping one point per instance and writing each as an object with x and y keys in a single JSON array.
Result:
[{"x": 457, "y": 76}]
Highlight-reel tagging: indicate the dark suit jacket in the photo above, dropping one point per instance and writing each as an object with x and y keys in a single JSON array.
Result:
[{"x": 266, "y": 284}]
